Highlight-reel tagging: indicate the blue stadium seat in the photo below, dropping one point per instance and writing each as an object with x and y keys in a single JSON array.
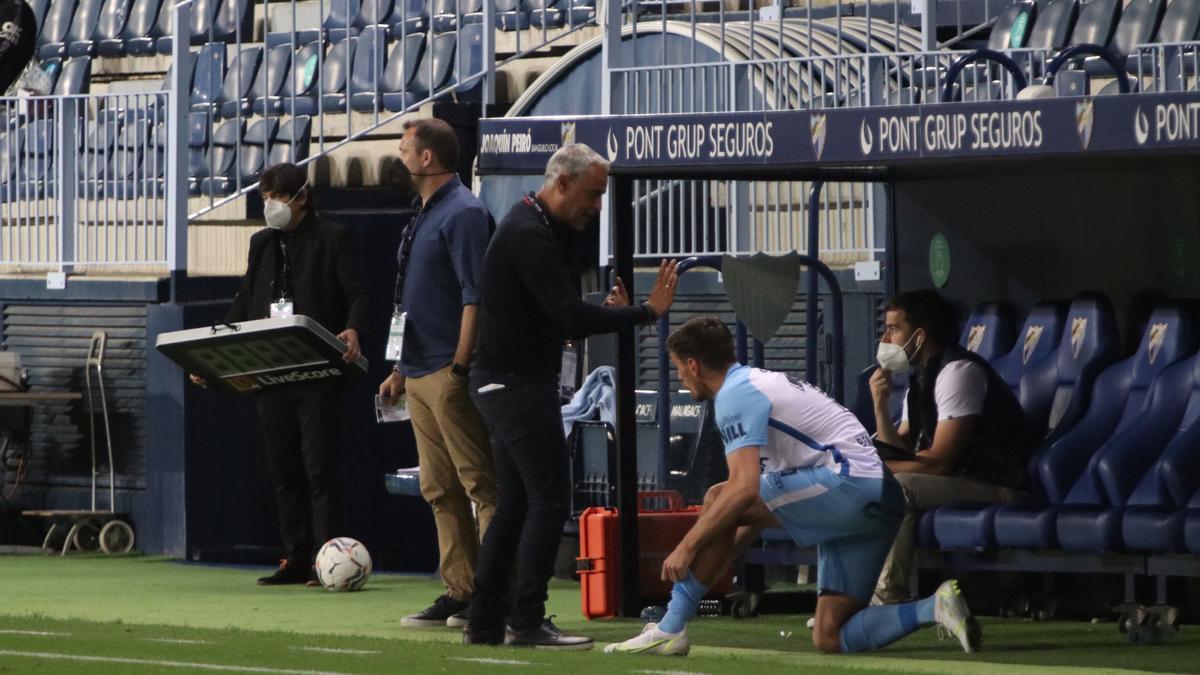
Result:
[
  {"x": 198, "y": 126},
  {"x": 989, "y": 330},
  {"x": 450, "y": 15},
  {"x": 375, "y": 13},
  {"x": 1138, "y": 25},
  {"x": 398, "y": 74},
  {"x": 52, "y": 37},
  {"x": 558, "y": 13},
  {"x": 151, "y": 20},
  {"x": 138, "y": 25},
  {"x": 1013, "y": 25},
  {"x": 96, "y": 161},
  {"x": 253, "y": 153},
  {"x": 221, "y": 160},
  {"x": 272, "y": 71},
  {"x": 408, "y": 17},
  {"x": 468, "y": 62},
  {"x": 208, "y": 76},
  {"x": 511, "y": 15},
  {"x": 1055, "y": 21},
  {"x": 11, "y": 146},
  {"x": 233, "y": 18},
  {"x": 334, "y": 74},
  {"x": 40, "y": 8},
  {"x": 156, "y": 165},
  {"x": 367, "y": 70},
  {"x": 1096, "y": 22},
  {"x": 1088, "y": 345},
  {"x": 291, "y": 141},
  {"x": 1180, "y": 23},
  {"x": 36, "y": 166},
  {"x": 108, "y": 25},
  {"x": 1038, "y": 339},
  {"x": 431, "y": 74},
  {"x": 239, "y": 80},
  {"x": 203, "y": 13},
  {"x": 337, "y": 25},
  {"x": 299, "y": 84},
  {"x": 1090, "y": 519},
  {"x": 83, "y": 20},
  {"x": 1155, "y": 513},
  {"x": 53, "y": 69},
  {"x": 76, "y": 77},
  {"x": 1117, "y": 401},
  {"x": 132, "y": 143}
]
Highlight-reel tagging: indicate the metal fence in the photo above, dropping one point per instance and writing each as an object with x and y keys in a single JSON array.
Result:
[{"x": 82, "y": 182}]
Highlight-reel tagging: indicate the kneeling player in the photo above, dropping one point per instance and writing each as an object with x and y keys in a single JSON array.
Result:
[{"x": 797, "y": 460}]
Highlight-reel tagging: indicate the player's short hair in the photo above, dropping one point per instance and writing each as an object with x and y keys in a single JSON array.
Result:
[
  {"x": 706, "y": 339},
  {"x": 287, "y": 179},
  {"x": 927, "y": 309},
  {"x": 572, "y": 160},
  {"x": 438, "y": 137}
]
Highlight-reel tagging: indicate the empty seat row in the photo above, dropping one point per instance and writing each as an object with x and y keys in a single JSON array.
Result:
[
  {"x": 361, "y": 71},
  {"x": 135, "y": 27},
  {"x": 345, "y": 19},
  {"x": 238, "y": 150}
]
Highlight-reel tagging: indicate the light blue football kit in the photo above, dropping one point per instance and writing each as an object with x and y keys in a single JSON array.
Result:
[{"x": 824, "y": 482}]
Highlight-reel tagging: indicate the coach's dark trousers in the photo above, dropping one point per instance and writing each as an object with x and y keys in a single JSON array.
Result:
[
  {"x": 301, "y": 427},
  {"x": 533, "y": 478}
]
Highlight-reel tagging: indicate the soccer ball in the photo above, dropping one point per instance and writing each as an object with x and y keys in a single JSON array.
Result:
[{"x": 343, "y": 564}]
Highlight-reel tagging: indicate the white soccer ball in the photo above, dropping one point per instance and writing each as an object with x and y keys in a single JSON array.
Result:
[{"x": 343, "y": 564}]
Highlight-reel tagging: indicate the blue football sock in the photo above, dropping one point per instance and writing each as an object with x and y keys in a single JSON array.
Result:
[
  {"x": 685, "y": 600},
  {"x": 880, "y": 625}
]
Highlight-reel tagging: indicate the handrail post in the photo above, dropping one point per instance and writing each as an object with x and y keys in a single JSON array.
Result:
[{"x": 176, "y": 181}]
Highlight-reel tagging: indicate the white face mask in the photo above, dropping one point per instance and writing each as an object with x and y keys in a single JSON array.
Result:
[
  {"x": 277, "y": 214},
  {"x": 893, "y": 358}
]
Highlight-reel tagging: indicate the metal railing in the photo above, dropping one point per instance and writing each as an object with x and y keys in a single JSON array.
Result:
[{"x": 82, "y": 182}]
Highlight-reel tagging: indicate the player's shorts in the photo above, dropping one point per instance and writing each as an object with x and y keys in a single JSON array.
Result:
[{"x": 852, "y": 521}]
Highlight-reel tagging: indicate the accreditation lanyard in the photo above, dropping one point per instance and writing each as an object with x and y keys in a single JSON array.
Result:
[
  {"x": 281, "y": 298},
  {"x": 570, "y": 354},
  {"x": 395, "y": 343}
]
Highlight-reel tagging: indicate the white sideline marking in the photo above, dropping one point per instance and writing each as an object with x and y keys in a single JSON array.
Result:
[
  {"x": 495, "y": 662},
  {"x": 668, "y": 672},
  {"x": 39, "y": 633},
  {"x": 175, "y": 641},
  {"x": 167, "y": 664},
  {"x": 334, "y": 650}
]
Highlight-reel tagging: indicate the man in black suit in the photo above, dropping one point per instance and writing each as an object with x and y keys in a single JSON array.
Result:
[{"x": 302, "y": 264}]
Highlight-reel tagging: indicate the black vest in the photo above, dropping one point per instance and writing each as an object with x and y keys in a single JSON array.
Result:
[{"x": 1003, "y": 438}]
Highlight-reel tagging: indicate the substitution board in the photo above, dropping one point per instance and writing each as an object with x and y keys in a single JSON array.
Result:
[{"x": 252, "y": 356}]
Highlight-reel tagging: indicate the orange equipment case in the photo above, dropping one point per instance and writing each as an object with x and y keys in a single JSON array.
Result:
[{"x": 659, "y": 532}]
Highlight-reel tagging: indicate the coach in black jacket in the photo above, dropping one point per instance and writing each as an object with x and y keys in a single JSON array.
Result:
[{"x": 302, "y": 264}]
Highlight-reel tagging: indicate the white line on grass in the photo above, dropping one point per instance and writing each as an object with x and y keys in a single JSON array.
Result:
[
  {"x": 332, "y": 650},
  {"x": 668, "y": 672},
  {"x": 39, "y": 633},
  {"x": 494, "y": 662},
  {"x": 166, "y": 664},
  {"x": 176, "y": 641}
]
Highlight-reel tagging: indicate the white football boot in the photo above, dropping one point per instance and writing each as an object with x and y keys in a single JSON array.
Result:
[
  {"x": 952, "y": 615},
  {"x": 653, "y": 641}
]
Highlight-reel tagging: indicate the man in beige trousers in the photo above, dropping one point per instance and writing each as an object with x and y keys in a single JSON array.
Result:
[{"x": 431, "y": 339}]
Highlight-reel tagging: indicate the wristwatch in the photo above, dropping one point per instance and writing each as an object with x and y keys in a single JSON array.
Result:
[{"x": 459, "y": 369}]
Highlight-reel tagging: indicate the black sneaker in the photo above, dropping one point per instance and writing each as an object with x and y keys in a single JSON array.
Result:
[
  {"x": 458, "y": 620},
  {"x": 436, "y": 615},
  {"x": 483, "y": 636},
  {"x": 288, "y": 573},
  {"x": 546, "y": 636}
]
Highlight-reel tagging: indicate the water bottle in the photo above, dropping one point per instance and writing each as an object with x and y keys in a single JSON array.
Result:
[{"x": 709, "y": 608}]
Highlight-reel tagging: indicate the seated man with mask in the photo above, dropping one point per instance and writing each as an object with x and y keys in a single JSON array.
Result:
[{"x": 968, "y": 434}]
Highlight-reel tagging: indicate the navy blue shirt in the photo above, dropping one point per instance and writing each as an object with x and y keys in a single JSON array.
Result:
[{"x": 442, "y": 274}]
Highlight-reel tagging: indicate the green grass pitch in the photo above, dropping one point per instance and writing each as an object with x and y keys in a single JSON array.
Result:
[{"x": 97, "y": 614}]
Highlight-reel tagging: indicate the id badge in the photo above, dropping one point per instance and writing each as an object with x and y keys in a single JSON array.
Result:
[
  {"x": 391, "y": 410},
  {"x": 566, "y": 376},
  {"x": 395, "y": 343},
  {"x": 281, "y": 308}
]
